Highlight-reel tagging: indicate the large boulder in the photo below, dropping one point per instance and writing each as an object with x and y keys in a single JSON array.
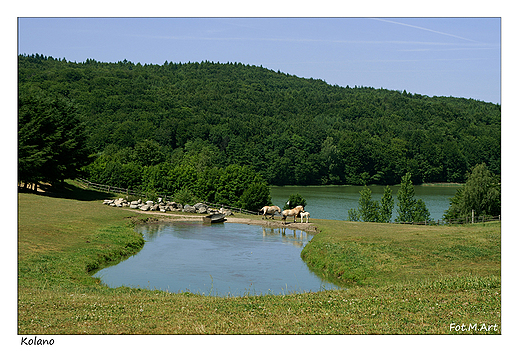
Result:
[
  {"x": 202, "y": 210},
  {"x": 189, "y": 209}
]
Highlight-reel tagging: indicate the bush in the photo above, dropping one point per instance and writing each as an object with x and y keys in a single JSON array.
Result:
[
  {"x": 255, "y": 197},
  {"x": 294, "y": 201}
]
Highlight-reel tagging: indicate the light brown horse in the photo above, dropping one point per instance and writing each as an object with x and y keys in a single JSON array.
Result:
[
  {"x": 292, "y": 212},
  {"x": 273, "y": 209}
]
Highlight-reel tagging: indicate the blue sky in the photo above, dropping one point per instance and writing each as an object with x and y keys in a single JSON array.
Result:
[{"x": 457, "y": 57}]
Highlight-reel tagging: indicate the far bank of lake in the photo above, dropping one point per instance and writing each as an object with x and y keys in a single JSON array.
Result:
[{"x": 333, "y": 202}]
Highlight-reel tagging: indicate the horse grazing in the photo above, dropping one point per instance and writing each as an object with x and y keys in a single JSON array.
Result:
[
  {"x": 291, "y": 212},
  {"x": 273, "y": 209},
  {"x": 305, "y": 214}
]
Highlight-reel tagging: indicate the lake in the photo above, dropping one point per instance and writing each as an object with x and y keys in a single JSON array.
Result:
[
  {"x": 224, "y": 259},
  {"x": 333, "y": 202}
]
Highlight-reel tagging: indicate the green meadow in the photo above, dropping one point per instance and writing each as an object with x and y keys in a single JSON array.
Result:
[{"x": 399, "y": 279}]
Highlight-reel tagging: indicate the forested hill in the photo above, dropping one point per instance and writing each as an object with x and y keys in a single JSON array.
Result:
[{"x": 291, "y": 130}]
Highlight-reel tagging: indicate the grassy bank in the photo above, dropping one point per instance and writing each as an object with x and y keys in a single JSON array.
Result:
[
  {"x": 407, "y": 280},
  {"x": 379, "y": 254}
]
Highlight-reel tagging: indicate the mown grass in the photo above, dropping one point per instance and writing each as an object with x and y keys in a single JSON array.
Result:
[
  {"x": 379, "y": 254},
  {"x": 402, "y": 280}
]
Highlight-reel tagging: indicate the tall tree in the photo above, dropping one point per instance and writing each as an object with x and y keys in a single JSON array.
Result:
[
  {"x": 410, "y": 209},
  {"x": 386, "y": 206},
  {"x": 368, "y": 209},
  {"x": 371, "y": 210},
  {"x": 405, "y": 199},
  {"x": 51, "y": 138}
]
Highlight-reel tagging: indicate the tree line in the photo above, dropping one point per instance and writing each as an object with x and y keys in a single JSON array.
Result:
[
  {"x": 129, "y": 120},
  {"x": 480, "y": 195}
]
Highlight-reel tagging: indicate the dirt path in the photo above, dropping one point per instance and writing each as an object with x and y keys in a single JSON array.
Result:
[{"x": 308, "y": 227}]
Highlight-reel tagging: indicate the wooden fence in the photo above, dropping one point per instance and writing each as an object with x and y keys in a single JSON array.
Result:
[
  {"x": 474, "y": 219},
  {"x": 466, "y": 220},
  {"x": 108, "y": 188}
]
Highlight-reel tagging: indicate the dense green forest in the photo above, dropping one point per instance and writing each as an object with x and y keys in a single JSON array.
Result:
[{"x": 146, "y": 122}]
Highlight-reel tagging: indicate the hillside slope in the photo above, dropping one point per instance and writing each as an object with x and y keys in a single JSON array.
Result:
[{"x": 291, "y": 130}]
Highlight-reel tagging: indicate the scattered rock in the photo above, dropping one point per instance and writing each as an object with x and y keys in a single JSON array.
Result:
[
  {"x": 161, "y": 205},
  {"x": 189, "y": 209}
]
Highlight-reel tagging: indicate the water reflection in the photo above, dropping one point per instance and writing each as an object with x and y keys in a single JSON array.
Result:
[
  {"x": 221, "y": 259},
  {"x": 297, "y": 238}
]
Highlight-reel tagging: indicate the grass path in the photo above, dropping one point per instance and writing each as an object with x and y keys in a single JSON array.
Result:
[{"x": 402, "y": 279}]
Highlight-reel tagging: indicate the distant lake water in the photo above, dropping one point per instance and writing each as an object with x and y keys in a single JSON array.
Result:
[{"x": 333, "y": 202}]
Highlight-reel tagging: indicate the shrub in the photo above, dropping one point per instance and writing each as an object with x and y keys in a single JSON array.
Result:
[{"x": 294, "y": 201}]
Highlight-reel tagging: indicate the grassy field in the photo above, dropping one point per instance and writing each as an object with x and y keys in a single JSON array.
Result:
[{"x": 401, "y": 279}]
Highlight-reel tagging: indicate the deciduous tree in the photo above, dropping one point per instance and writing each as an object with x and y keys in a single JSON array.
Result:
[{"x": 481, "y": 193}]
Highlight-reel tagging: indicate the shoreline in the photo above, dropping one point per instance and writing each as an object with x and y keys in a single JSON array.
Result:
[{"x": 308, "y": 227}]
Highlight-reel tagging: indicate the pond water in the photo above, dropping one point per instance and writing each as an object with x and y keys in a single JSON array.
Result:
[
  {"x": 333, "y": 202},
  {"x": 220, "y": 259}
]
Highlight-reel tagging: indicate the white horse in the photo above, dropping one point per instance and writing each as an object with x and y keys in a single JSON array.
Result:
[
  {"x": 273, "y": 209},
  {"x": 305, "y": 214},
  {"x": 292, "y": 212}
]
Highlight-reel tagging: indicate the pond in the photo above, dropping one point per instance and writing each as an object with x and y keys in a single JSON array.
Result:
[
  {"x": 220, "y": 259},
  {"x": 333, "y": 202}
]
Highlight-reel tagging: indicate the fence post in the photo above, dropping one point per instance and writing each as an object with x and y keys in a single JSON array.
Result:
[{"x": 472, "y": 216}]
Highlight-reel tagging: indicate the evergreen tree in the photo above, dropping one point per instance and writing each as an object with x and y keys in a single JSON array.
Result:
[
  {"x": 405, "y": 199},
  {"x": 371, "y": 210},
  {"x": 51, "y": 138},
  {"x": 368, "y": 209},
  {"x": 386, "y": 206},
  {"x": 353, "y": 215},
  {"x": 410, "y": 209},
  {"x": 420, "y": 212}
]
